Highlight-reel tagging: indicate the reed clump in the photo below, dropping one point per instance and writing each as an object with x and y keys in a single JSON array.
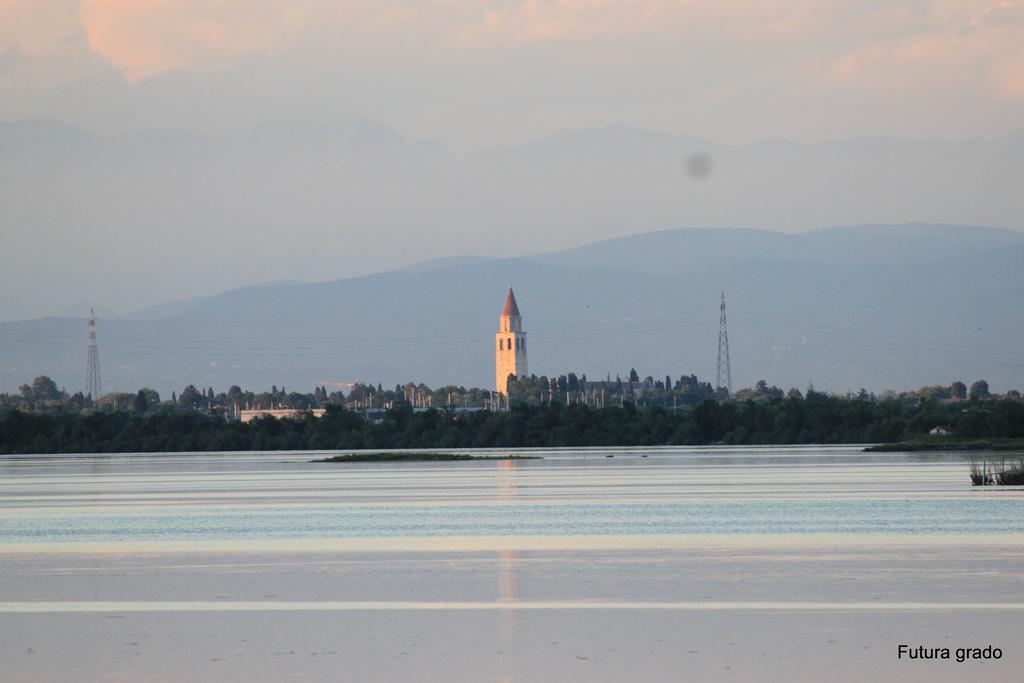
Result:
[{"x": 997, "y": 473}]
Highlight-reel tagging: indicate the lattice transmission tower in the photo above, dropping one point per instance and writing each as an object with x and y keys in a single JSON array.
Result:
[
  {"x": 93, "y": 387},
  {"x": 724, "y": 379}
]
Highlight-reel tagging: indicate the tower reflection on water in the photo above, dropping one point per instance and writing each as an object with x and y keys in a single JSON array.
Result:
[{"x": 508, "y": 580}]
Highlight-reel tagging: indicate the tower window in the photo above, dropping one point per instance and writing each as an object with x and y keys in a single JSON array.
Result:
[
  {"x": 523, "y": 344},
  {"x": 501, "y": 344}
]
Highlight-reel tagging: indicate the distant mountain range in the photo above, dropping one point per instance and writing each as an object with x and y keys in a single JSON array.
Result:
[
  {"x": 874, "y": 306},
  {"x": 126, "y": 220}
]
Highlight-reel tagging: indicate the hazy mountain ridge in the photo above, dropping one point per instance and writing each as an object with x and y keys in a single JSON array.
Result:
[
  {"x": 842, "y": 245},
  {"x": 804, "y": 308},
  {"x": 181, "y": 202}
]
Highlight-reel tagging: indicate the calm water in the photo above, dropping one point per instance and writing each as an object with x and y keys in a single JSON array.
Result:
[
  {"x": 570, "y": 493},
  {"x": 793, "y": 564}
]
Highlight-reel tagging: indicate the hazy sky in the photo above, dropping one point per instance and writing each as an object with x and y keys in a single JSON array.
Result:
[
  {"x": 141, "y": 219},
  {"x": 474, "y": 73}
]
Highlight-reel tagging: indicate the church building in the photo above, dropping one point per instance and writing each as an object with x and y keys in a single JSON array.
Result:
[{"x": 509, "y": 344}]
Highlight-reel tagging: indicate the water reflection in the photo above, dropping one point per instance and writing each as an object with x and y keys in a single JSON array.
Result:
[{"x": 508, "y": 580}]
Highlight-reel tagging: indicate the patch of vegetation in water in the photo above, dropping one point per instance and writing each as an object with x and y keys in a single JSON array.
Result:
[
  {"x": 419, "y": 457},
  {"x": 987, "y": 473}
]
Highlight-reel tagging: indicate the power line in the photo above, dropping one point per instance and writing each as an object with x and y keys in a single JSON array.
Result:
[
  {"x": 559, "y": 334},
  {"x": 16, "y": 340},
  {"x": 877, "y": 345},
  {"x": 291, "y": 343},
  {"x": 384, "y": 347},
  {"x": 887, "y": 336}
]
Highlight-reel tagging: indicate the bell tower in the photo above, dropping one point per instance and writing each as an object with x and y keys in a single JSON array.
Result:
[{"x": 509, "y": 344}]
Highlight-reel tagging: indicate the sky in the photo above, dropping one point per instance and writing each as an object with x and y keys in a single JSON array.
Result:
[
  {"x": 474, "y": 74},
  {"x": 168, "y": 216}
]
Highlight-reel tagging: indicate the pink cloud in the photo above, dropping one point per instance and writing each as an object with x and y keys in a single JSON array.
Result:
[
  {"x": 986, "y": 51},
  {"x": 143, "y": 38},
  {"x": 877, "y": 46}
]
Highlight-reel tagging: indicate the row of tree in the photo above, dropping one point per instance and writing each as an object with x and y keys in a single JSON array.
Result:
[
  {"x": 44, "y": 396},
  {"x": 815, "y": 417}
]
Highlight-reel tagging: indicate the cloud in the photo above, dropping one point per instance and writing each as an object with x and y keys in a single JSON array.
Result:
[
  {"x": 143, "y": 38},
  {"x": 707, "y": 65},
  {"x": 531, "y": 21},
  {"x": 985, "y": 51},
  {"x": 42, "y": 46},
  {"x": 1000, "y": 15},
  {"x": 36, "y": 28},
  {"x": 1007, "y": 76}
]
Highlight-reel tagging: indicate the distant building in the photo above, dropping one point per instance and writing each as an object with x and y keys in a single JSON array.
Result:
[
  {"x": 279, "y": 413},
  {"x": 940, "y": 431},
  {"x": 509, "y": 345}
]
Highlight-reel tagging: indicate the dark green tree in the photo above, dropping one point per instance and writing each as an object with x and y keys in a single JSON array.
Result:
[
  {"x": 190, "y": 397},
  {"x": 141, "y": 403},
  {"x": 979, "y": 390},
  {"x": 958, "y": 390},
  {"x": 45, "y": 389}
]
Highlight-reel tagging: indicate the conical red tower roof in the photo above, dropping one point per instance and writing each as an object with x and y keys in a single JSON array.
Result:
[{"x": 510, "y": 309}]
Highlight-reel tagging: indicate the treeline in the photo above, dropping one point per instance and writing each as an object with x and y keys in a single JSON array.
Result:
[
  {"x": 813, "y": 418},
  {"x": 44, "y": 396}
]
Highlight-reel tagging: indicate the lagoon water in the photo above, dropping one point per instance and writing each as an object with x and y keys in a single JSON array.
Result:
[{"x": 652, "y": 564}]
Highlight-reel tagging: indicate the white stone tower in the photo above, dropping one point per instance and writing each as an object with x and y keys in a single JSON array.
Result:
[{"x": 509, "y": 344}]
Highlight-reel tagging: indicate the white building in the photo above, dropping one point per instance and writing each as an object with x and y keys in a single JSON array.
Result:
[{"x": 279, "y": 413}]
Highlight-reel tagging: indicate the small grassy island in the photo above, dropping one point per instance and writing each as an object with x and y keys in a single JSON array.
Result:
[{"x": 419, "y": 457}]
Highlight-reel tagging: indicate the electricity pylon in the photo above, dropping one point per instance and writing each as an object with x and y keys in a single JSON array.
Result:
[
  {"x": 724, "y": 379},
  {"x": 93, "y": 387}
]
